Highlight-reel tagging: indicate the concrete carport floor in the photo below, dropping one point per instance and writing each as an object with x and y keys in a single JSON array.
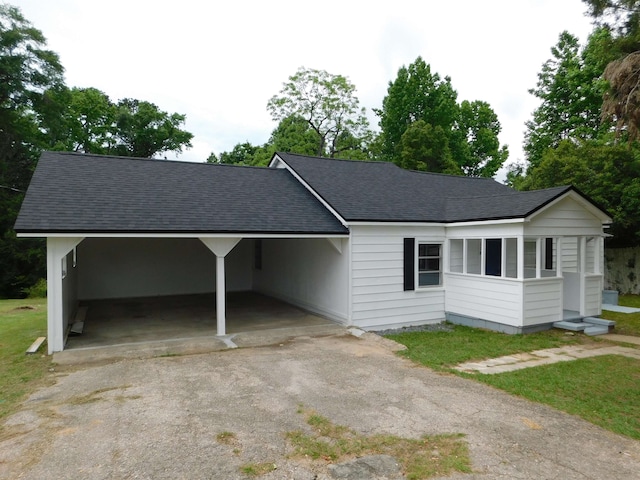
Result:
[{"x": 146, "y": 327}]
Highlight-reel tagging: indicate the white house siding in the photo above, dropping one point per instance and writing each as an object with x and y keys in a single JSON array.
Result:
[
  {"x": 593, "y": 294},
  {"x": 542, "y": 300},
  {"x": 309, "y": 273},
  {"x": 570, "y": 254},
  {"x": 567, "y": 217},
  {"x": 489, "y": 298},
  {"x": 142, "y": 267},
  {"x": 378, "y": 297}
]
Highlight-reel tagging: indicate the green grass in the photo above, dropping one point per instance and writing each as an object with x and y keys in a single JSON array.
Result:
[
  {"x": 443, "y": 350},
  {"x": 257, "y": 469},
  {"x": 21, "y": 322},
  {"x": 626, "y": 323},
  {"x": 602, "y": 390},
  {"x": 421, "y": 458}
]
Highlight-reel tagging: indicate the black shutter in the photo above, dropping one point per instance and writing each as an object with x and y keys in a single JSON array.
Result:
[
  {"x": 548, "y": 253},
  {"x": 409, "y": 263}
]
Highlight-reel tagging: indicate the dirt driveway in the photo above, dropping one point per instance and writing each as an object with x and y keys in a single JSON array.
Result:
[{"x": 159, "y": 418}]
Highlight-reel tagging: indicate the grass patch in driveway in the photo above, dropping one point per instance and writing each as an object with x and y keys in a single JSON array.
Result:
[
  {"x": 602, "y": 390},
  {"x": 21, "y": 322},
  {"x": 626, "y": 323},
  {"x": 428, "y": 456},
  {"x": 442, "y": 350}
]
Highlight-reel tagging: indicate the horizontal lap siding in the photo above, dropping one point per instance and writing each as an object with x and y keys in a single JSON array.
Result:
[
  {"x": 378, "y": 297},
  {"x": 542, "y": 301},
  {"x": 487, "y": 298},
  {"x": 593, "y": 294},
  {"x": 567, "y": 217}
]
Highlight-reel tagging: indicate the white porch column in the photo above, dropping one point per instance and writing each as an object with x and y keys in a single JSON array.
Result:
[
  {"x": 57, "y": 249},
  {"x": 582, "y": 258},
  {"x": 520, "y": 258},
  {"x": 220, "y": 247},
  {"x": 559, "y": 256},
  {"x": 597, "y": 255},
  {"x": 538, "y": 257}
]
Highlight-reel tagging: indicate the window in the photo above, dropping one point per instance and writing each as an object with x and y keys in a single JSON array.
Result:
[{"x": 429, "y": 264}]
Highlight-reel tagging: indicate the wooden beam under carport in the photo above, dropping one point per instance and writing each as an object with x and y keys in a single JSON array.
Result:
[{"x": 221, "y": 248}]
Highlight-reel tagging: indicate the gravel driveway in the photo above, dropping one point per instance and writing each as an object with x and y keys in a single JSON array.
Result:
[{"x": 158, "y": 418}]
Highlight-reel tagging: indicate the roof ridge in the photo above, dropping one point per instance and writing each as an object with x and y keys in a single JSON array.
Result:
[
  {"x": 380, "y": 162},
  {"x": 151, "y": 159}
]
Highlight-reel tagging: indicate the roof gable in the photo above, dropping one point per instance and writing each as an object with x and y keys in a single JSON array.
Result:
[{"x": 104, "y": 194}]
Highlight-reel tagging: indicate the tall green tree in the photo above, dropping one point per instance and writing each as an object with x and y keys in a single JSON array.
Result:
[
  {"x": 27, "y": 68},
  {"x": 78, "y": 120},
  {"x": 143, "y": 130},
  {"x": 424, "y": 147},
  {"x": 415, "y": 94},
  {"x": 570, "y": 88},
  {"x": 328, "y": 104},
  {"x": 622, "y": 99},
  {"x": 477, "y": 149},
  {"x": 607, "y": 173},
  {"x": 471, "y": 128}
]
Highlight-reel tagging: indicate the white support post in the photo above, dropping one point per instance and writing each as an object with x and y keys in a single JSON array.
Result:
[
  {"x": 483, "y": 256},
  {"x": 57, "y": 249},
  {"x": 220, "y": 247},
  {"x": 582, "y": 253},
  {"x": 538, "y": 257},
  {"x": 464, "y": 255},
  {"x": 520, "y": 258},
  {"x": 221, "y": 320},
  {"x": 559, "y": 256},
  {"x": 503, "y": 258}
]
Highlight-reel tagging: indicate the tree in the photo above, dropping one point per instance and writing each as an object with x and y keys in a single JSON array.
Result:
[
  {"x": 143, "y": 130},
  {"x": 478, "y": 152},
  {"x": 570, "y": 88},
  {"x": 622, "y": 99},
  {"x": 78, "y": 120},
  {"x": 26, "y": 69},
  {"x": 471, "y": 128},
  {"x": 424, "y": 147},
  {"x": 415, "y": 94},
  {"x": 329, "y": 106},
  {"x": 608, "y": 174}
]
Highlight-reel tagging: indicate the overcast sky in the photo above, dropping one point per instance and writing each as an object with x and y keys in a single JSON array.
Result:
[{"x": 219, "y": 62}]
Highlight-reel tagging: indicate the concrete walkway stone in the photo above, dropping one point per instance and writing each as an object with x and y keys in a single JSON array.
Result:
[{"x": 518, "y": 361}]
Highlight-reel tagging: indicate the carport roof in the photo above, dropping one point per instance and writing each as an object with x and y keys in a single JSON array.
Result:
[{"x": 81, "y": 193}]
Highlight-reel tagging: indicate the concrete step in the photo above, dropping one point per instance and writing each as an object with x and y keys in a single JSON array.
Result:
[
  {"x": 596, "y": 330},
  {"x": 573, "y": 326},
  {"x": 599, "y": 321}
]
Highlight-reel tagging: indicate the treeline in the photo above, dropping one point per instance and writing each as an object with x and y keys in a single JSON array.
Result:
[
  {"x": 37, "y": 112},
  {"x": 586, "y": 130}
]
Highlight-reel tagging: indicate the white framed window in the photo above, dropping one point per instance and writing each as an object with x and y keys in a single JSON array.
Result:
[{"x": 429, "y": 264}]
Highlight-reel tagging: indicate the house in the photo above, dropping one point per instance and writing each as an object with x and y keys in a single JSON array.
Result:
[{"x": 366, "y": 244}]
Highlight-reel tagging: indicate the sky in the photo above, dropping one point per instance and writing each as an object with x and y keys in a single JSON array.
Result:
[{"x": 219, "y": 62}]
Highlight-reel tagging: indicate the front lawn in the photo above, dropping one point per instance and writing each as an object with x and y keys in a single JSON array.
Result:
[
  {"x": 442, "y": 350},
  {"x": 626, "y": 323},
  {"x": 21, "y": 322}
]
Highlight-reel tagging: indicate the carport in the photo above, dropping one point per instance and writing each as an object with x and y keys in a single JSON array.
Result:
[{"x": 119, "y": 229}]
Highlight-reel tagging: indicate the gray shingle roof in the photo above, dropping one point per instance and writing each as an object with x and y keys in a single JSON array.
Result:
[
  {"x": 92, "y": 193},
  {"x": 384, "y": 192}
]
